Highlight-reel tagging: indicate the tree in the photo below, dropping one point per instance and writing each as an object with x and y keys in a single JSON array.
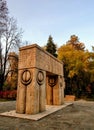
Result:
[
  {"x": 51, "y": 47},
  {"x": 74, "y": 41},
  {"x": 11, "y": 81},
  {"x": 91, "y": 65},
  {"x": 3, "y": 21},
  {"x": 76, "y": 68},
  {"x": 3, "y": 16},
  {"x": 10, "y": 37},
  {"x": 93, "y": 48}
]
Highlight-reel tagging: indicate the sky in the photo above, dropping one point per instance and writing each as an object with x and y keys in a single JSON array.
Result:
[{"x": 58, "y": 18}]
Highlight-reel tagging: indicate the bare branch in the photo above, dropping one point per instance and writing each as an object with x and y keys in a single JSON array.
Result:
[{"x": 10, "y": 38}]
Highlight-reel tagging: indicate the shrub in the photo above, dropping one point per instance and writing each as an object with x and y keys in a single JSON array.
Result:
[{"x": 8, "y": 94}]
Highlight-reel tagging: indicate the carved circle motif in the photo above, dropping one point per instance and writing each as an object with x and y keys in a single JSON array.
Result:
[
  {"x": 52, "y": 80},
  {"x": 40, "y": 77},
  {"x": 26, "y": 77}
]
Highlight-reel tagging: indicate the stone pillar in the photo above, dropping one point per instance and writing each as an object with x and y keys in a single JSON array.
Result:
[
  {"x": 24, "y": 79},
  {"x": 55, "y": 90},
  {"x": 58, "y": 90},
  {"x": 62, "y": 87},
  {"x": 41, "y": 82},
  {"x": 49, "y": 93},
  {"x": 31, "y": 91}
]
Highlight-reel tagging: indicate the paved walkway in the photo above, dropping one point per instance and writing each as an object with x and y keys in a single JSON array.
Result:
[
  {"x": 79, "y": 116},
  {"x": 50, "y": 109}
]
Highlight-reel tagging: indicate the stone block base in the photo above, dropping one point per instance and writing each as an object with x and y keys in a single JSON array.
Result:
[{"x": 70, "y": 98}]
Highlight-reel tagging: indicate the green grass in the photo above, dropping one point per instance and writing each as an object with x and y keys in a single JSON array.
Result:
[{"x": 5, "y": 100}]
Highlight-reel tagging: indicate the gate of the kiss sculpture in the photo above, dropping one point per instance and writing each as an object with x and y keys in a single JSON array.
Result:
[{"x": 40, "y": 80}]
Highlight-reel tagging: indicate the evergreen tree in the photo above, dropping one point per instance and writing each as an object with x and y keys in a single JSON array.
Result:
[{"x": 51, "y": 47}]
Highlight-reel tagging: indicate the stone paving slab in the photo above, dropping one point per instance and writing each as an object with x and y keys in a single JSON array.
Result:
[{"x": 49, "y": 110}]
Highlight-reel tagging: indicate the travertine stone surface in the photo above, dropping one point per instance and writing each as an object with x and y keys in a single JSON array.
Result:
[
  {"x": 40, "y": 80},
  {"x": 21, "y": 95},
  {"x": 34, "y": 56},
  {"x": 55, "y": 93}
]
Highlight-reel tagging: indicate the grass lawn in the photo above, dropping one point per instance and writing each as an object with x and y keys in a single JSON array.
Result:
[{"x": 5, "y": 100}]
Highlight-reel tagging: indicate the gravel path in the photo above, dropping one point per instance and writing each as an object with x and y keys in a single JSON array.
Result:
[{"x": 79, "y": 116}]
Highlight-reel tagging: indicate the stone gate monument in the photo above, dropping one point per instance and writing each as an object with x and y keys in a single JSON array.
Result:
[{"x": 40, "y": 80}]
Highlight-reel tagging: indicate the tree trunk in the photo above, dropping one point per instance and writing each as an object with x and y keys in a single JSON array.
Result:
[{"x": 1, "y": 82}]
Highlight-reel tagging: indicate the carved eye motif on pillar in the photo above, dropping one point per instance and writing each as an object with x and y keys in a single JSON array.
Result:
[
  {"x": 40, "y": 77},
  {"x": 52, "y": 80},
  {"x": 26, "y": 77}
]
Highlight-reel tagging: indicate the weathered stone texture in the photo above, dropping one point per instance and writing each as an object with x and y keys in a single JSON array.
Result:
[
  {"x": 40, "y": 80},
  {"x": 34, "y": 56}
]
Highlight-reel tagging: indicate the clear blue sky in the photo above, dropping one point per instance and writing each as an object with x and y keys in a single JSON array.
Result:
[{"x": 58, "y": 18}]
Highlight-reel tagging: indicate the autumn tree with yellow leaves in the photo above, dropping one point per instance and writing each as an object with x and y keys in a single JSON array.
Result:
[{"x": 76, "y": 66}]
